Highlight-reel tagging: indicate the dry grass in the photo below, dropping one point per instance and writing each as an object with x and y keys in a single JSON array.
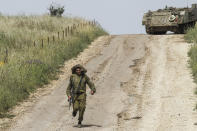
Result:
[{"x": 29, "y": 67}]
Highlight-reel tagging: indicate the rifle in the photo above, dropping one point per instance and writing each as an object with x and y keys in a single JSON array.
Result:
[{"x": 71, "y": 100}]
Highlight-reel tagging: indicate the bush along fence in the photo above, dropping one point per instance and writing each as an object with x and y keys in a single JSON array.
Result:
[{"x": 27, "y": 66}]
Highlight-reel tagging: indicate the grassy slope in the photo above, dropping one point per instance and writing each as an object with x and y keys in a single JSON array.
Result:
[{"x": 30, "y": 67}]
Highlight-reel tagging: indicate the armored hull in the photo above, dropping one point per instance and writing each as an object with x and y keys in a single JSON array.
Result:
[{"x": 177, "y": 20}]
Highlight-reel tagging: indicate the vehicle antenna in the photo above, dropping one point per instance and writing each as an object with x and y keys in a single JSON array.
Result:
[{"x": 187, "y": 3}]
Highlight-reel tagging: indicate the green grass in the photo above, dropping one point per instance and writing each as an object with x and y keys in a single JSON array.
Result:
[
  {"x": 31, "y": 67},
  {"x": 191, "y": 37}
]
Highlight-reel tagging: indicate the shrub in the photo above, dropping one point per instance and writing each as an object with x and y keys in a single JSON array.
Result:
[{"x": 56, "y": 10}]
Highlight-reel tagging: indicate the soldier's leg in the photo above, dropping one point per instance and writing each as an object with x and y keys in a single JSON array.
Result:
[
  {"x": 75, "y": 107},
  {"x": 82, "y": 107}
]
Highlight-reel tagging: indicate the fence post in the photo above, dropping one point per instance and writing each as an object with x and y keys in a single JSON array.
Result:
[
  {"x": 94, "y": 22},
  {"x": 66, "y": 32},
  {"x": 58, "y": 35},
  {"x": 74, "y": 26},
  {"x": 42, "y": 43},
  {"x": 48, "y": 40},
  {"x": 63, "y": 34},
  {"x": 53, "y": 39},
  {"x": 71, "y": 30},
  {"x": 34, "y": 44},
  {"x": 6, "y": 56}
]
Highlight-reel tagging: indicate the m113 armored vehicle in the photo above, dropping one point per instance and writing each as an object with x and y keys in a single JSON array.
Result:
[{"x": 176, "y": 20}]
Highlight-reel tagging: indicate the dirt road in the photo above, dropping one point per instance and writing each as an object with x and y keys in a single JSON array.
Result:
[{"x": 143, "y": 84}]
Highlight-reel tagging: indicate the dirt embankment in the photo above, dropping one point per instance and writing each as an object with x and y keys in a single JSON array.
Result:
[{"x": 143, "y": 84}]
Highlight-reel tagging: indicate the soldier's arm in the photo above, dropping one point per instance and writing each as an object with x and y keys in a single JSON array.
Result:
[
  {"x": 90, "y": 84},
  {"x": 69, "y": 87}
]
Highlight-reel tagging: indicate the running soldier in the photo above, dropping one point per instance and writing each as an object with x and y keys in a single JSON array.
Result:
[{"x": 76, "y": 91}]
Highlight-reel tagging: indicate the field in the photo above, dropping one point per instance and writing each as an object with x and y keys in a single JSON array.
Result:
[{"x": 33, "y": 48}]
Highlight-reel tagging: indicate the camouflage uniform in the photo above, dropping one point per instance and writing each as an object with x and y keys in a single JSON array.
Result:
[{"x": 79, "y": 103}]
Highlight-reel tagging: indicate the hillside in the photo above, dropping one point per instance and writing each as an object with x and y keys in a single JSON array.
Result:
[{"x": 33, "y": 48}]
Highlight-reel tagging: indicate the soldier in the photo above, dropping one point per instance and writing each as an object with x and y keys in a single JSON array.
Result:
[{"x": 76, "y": 90}]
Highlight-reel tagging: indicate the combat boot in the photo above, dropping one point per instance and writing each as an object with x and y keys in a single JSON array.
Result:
[
  {"x": 79, "y": 124},
  {"x": 74, "y": 113}
]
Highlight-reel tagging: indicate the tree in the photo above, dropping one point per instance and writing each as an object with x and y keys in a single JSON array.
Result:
[{"x": 56, "y": 10}]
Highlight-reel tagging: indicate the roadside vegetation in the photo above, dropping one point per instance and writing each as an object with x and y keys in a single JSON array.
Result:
[
  {"x": 191, "y": 37},
  {"x": 32, "y": 50}
]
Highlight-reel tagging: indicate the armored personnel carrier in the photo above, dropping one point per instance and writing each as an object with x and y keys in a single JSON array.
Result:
[{"x": 176, "y": 20}]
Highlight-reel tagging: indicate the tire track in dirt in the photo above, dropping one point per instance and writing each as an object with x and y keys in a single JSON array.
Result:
[
  {"x": 138, "y": 81},
  {"x": 156, "y": 102}
]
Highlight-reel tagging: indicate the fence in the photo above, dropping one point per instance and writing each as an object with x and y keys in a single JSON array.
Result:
[{"x": 61, "y": 35}]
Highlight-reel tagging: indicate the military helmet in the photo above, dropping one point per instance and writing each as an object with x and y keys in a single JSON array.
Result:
[{"x": 83, "y": 70}]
